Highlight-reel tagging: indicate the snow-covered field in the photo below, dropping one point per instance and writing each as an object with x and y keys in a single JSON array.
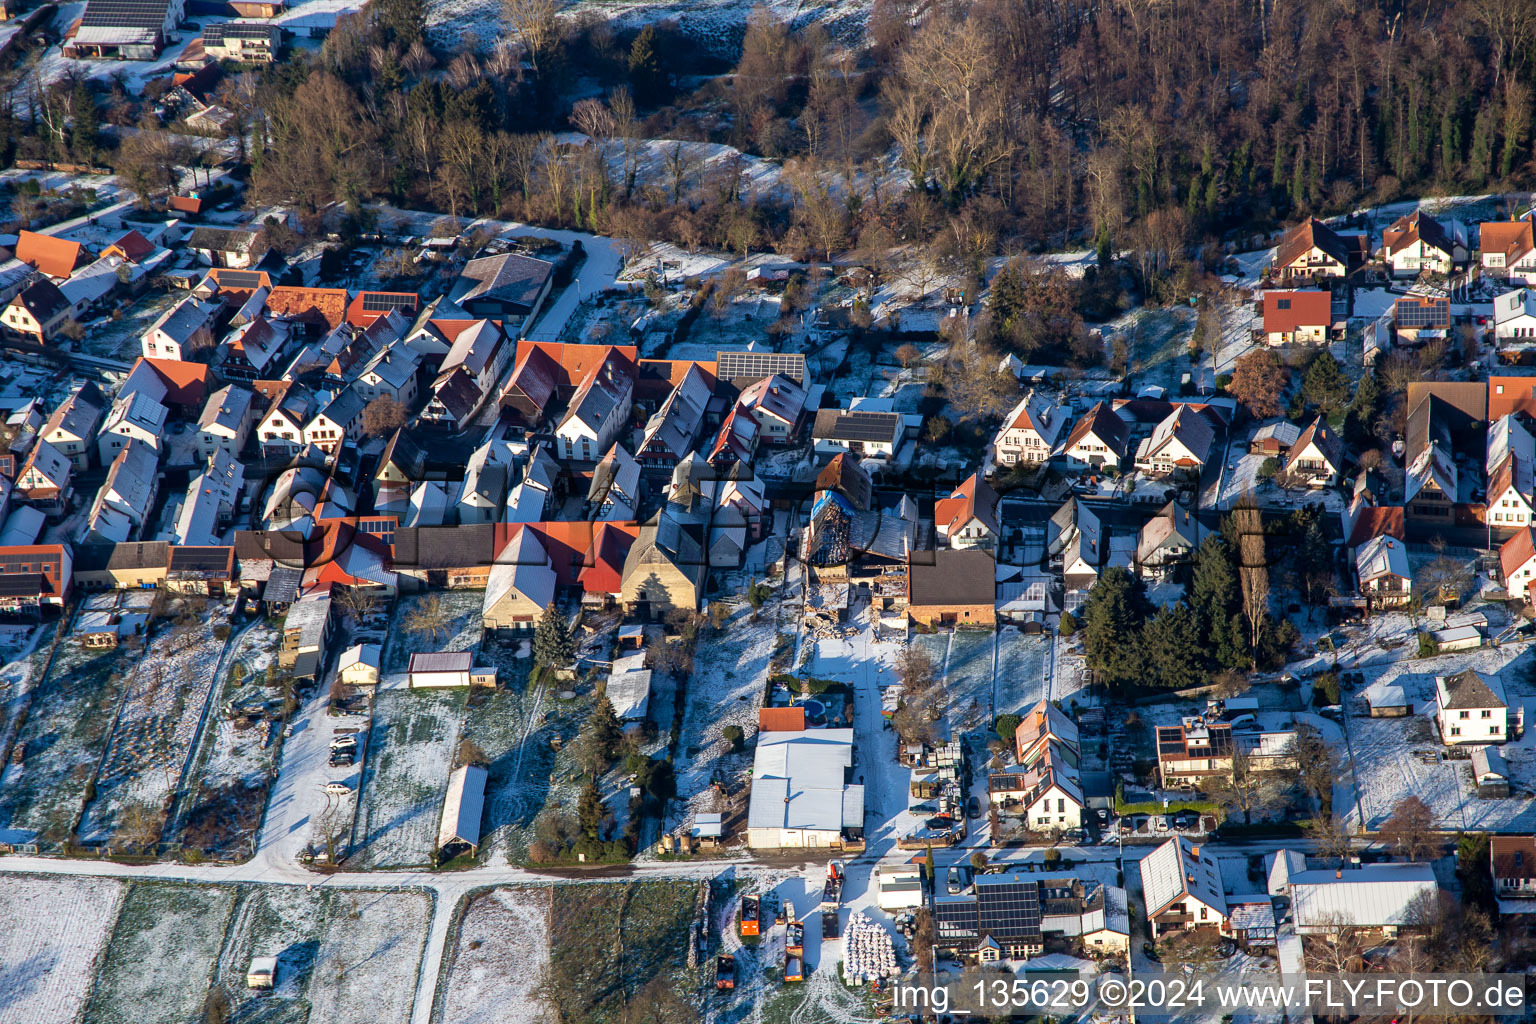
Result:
[
  {"x": 410, "y": 753},
  {"x": 1023, "y": 665},
  {"x": 59, "y": 926},
  {"x": 285, "y": 921},
  {"x": 233, "y": 754},
  {"x": 368, "y": 960},
  {"x": 163, "y": 953},
  {"x": 159, "y": 719},
  {"x": 497, "y": 959}
]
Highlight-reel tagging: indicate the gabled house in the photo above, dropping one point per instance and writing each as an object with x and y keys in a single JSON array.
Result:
[
  {"x": 1169, "y": 539},
  {"x": 598, "y": 411},
  {"x": 968, "y": 517},
  {"x": 1508, "y": 250},
  {"x": 212, "y": 499},
  {"x": 1097, "y": 441},
  {"x": 366, "y": 307},
  {"x": 281, "y": 430},
  {"x": 1514, "y": 316},
  {"x": 319, "y": 310},
  {"x": 510, "y": 287},
  {"x": 230, "y": 248},
  {"x": 777, "y": 403},
  {"x": 520, "y": 586},
  {"x": 1371, "y": 898},
  {"x": 181, "y": 331},
  {"x": 1512, "y": 863},
  {"x": 946, "y": 587},
  {"x": 1471, "y": 708},
  {"x": 672, "y": 431},
  {"x": 225, "y": 424},
  {"x": 1509, "y": 502},
  {"x": 49, "y": 254},
  {"x": 133, "y": 417},
  {"x": 1298, "y": 317},
  {"x": 34, "y": 576},
  {"x": 866, "y": 434},
  {"x": 735, "y": 442},
  {"x": 1075, "y": 536},
  {"x": 46, "y": 480},
  {"x": 126, "y": 496},
  {"x": 614, "y": 494},
  {"x": 1313, "y": 250},
  {"x": 1030, "y": 431},
  {"x": 1181, "y": 888},
  {"x": 72, "y": 426},
  {"x": 1381, "y": 567},
  {"x": 1417, "y": 242},
  {"x": 338, "y": 421},
  {"x": 1180, "y": 443},
  {"x": 1419, "y": 318},
  {"x": 1317, "y": 457},
  {"x": 484, "y": 490},
  {"x": 134, "y": 32},
  {"x": 665, "y": 568},
  {"x": 454, "y": 400},
  {"x": 534, "y": 380},
  {"x": 1517, "y": 562},
  {"x": 38, "y": 312},
  {"x": 390, "y": 374},
  {"x": 481, "y": 350}
]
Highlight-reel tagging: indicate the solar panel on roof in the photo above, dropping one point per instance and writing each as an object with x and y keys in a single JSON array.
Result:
[
  {"x": 1011, "y": 909},
  {"x": 866, "y": 426},
  {"x": 383, "y": 302},
  {"x": 737, "y": 365},
  {"x": 240, "y": 278},
  {"x": 125, "y": 14}
]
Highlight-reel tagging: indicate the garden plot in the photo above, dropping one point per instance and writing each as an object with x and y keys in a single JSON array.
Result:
[
  {"x": 369, "y": 958},
  {"x": 159, "y": 719},
  {"x": 516, "y": 731},
  {"x": 599, "y": 976},
  {"x": 730, "y": 676},
  {"x": 119, "y": 338},
  {"x": 24, "y": 655},
  {"x": 58, "y": 929},
  {"x": 968, "y": 681},
  {"x": 458, "y": 615},
  {"x": 410, "y": 751},
  {"x": 68, "y": 718},
  {"x": 1158, "y": 344},
  {"x": 163, "y": 953},
  {"x": 1023, "y": 668},
  {"x": 497, "y": 959},
  {"x": 274, "y": 920},
  {"x": 236, "y": 757}
]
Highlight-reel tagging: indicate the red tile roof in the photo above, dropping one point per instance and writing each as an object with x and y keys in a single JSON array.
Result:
[
  {"x": 1517, "y": 551},
  {"x": 361, "y": 317},
  {"x": 1513, "y": 238},
  {"x": 781, "y": 719},
  {"x": 55, "y": 257},
  {"x": 132, "y": 246},
  {"x": 575, "y": 362},
  {"x": 185, "y": 383},
  {"x": 1377, "y": 521},
  {"x": 326, "y": 306},
  {"x": 1287, "y": 311}
]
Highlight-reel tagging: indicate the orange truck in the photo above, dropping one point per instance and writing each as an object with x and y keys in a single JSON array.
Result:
[{"x": 750, "y": 915}]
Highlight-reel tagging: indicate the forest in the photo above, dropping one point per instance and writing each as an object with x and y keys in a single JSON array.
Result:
[{"x": 1160, "y": 127}]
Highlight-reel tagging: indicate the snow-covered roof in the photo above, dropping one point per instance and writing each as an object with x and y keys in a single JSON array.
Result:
[
  {"x": 463, "y": 806},
  {"x": 798, "y": 780},
  {"x": 1179, "y": 868},
  {"x": 1372, "y": 896}
]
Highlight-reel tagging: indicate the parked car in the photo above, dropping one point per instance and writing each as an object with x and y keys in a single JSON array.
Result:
[
  {"x": 1160, "y": 823},
  {"x": 337, "y": 787}
]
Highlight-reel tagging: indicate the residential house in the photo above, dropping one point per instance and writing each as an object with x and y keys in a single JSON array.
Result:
[
  {"x": 1030, "y": 431},
  {"x": 730, "y": 453},
  {"x": 1420, "y": 318},
  {"x": 1471, "y": 708},
  {"x": 1509, "y": 493},
  {"x": 1169, "y": 539},
  {"x": 1512, "y": 863},
  {"x": 535, "y": 378},
  {"x": 952, "y": 588},
  {"x": 1416, "y": 242},
  {"x": 72, "y": 426},
  {"x": 1181, "y": 888},
  {"x": 281, "y": 430},
  {"x": 231, "y": 248},
  {"x": 45, "y": 480},
  {"x": 673, "y": 429},
  {"x": 126, "y": 497},
  {"x": 1312, "y": 250},
  {"x": 203, "y": 570},
  {"x": 251, "y": 351},
  {"x": 1298, "y": 317},
  {"x": 483, "y": 493},
  {"x": 510, "y": 288},
  {"x": 1180, "y": 443},
  {"x": 320, "y": 311},
  {"x": 38, "y": 312},
  {"x": 777, "y": 403},
  {"x": 614, "y": 494},
  {"x": 482, "y": 351},
  {"x": 1508, "y": 250},
  {"x": 225, "y": 424},
  {"x": 866, "y": 434},
  {"x": 181, "y": 331},
  {"x": 665, "y": 568},
  {"x": 339, "y": 420},
  {"x": 366, "y": 307},
  {"x": 598, "y": 411},
  {"x": 1097, "y": 441},
  {"x": 35, "y": 576},
  {"x": 520, "y": 585},
  {"x": 1020, "y": 909},
  {"x": 1205, "y": 746},
  {"x": 249, "y": 42},
  {"x": 132, "y": 566},
  {"x": 968, "y": 517},
  {"x": 1517, "y": 561},
  {"x": 1370, "y": 897},
  {"x": 133, "y": 417},
  {"x": 1514, "y": 316},
  {"x": 109, "y": 30},
  {"x": 1317, "y": 457},
  {"x": 213, "y": 497},
  {"x": 1075, "y": 537},
  {"x": 455, "y": 400},
  {"x": 390, "y": 374},
  {"x": 1383, "y": 573},
  {"x": 49, "y": 254}
]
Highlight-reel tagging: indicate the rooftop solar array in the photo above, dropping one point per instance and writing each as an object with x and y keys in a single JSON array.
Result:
[
  {"x": 240, "y": 278},
  {"x": 238, "y": 30},
  {"x": 383, "y": 302},
  {"x": 1009, "y": 909},
  {"x": 125, "y": 14},
  {"x": 757, "y": 365},
  {"x": 865, "y": 426}
]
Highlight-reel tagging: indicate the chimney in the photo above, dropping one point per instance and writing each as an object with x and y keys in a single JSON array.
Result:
[{"x": 1338, "y": 873}]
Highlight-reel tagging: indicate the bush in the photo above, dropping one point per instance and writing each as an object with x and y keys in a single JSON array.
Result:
[
  {"x": 1268, "y": 468},
  {"x": 1325, "y": 689},
  {"x": 1428, "y": 647},
  {"x": 1068, "y": 624},
  {"x": 734, "y": 736},
  {"x": 1006, "y": 726}
]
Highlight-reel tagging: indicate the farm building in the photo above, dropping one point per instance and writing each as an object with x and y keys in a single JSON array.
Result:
[
  {"x": 800, "y": 791},
  {"x": 359, "y": 665},
  {"x": 460, "y": 829},
  {"x": 456, "y": 668}
]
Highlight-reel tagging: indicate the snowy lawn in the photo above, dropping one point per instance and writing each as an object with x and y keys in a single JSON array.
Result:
[
  {"x": 497, "y": 959},
  {"x": 369, "y": 958},
  {"x": 163, "y": 953},
  {"x": 462, "y": 633},
  {"x": 68, "y": 717},
  {"x": 119, "y": 338},
  {"x": 284, "y": 921},
  {"x": 1023, "y": 664},
  {"x": 46, "y": 968},
  {"x": 158, "y": 721},
  {"x": 410, "y": 753},
  {"x": 968, "y": 679},
  {"x": 515, "y": 728}
]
